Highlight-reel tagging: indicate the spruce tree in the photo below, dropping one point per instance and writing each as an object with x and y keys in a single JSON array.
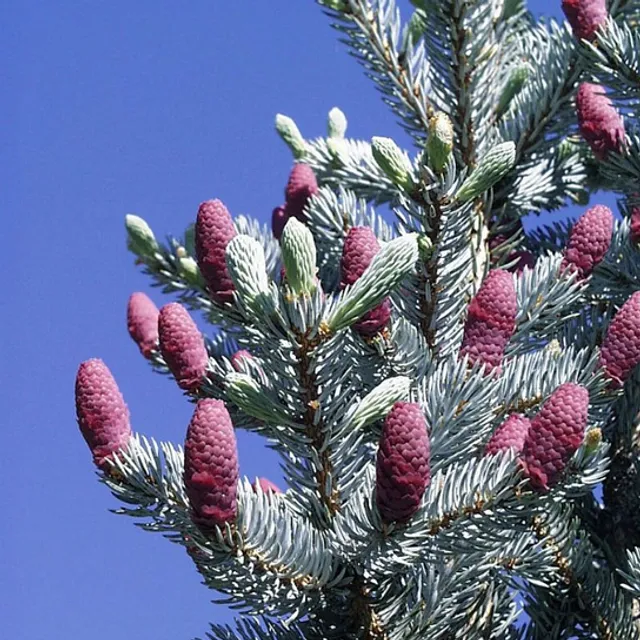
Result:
[{"x": 455, "y": 400}]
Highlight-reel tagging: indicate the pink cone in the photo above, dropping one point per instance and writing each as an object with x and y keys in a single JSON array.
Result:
[
  {"x": 491, "y": 320},
  {"x": 620, "y": 352},
  {"x": 142, "y": 322},
  {"x": 589, "y": 240},
  {"x": 211, "y": 465},
  {"x": 266, "y": 486},
  {"x": 214, "y": 230},
  {"x": 301, "y": 186},
  {"x": 555, "y": 434},
  {"x": 103, "y": 416},
  {"x": 599, "y": 122},
  {"x": 402, "y": 465},
  {"x": 182, "y": 346},
  {"x": 238, "y": 357},
  {"x": 279, "y": 219},
  {"x": 360, "y": 247},
  {"x": 510, "y": 434},
  {"x": 585, "y": 16}
]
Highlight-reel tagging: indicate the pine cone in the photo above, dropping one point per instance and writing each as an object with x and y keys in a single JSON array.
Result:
[
  {"x": 182, "y": 346},
  {"x": 491, "y": 320},
  {"x": 214, "y": 230},
  {"x": 301, "y": 186},
  {"x": 402, "y": 467},
  {"x": 589, "y": 240},
  {"x": 555, "y": 434},
  {"x": 103, "y": 416},
  {"x": 620, "y": 352},
  {"x": 279, "y": 219},
  {"x": 237, "y": 358},
  {"x": 142, "y": 322},
  {"x": 585, "y": 17},
  {"x": 599, "y": 122},
  {"x": 510, "y": 434},
  {"x": 360, "y": 247},
  {"x": 634, "y": 225},
  {"x": 266, "y": 486},
  {"x": 211, "y": 465}
]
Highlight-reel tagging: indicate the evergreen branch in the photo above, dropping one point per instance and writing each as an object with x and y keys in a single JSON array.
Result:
[{"x": 372, "y": 31}]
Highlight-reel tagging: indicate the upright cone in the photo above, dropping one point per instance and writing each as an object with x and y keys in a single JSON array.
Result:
[
  {"x": 211, "y": 465},
  {"x": 103, "y": 416},
  {"x": 585, "y": 16},
  {"x": 142, "y": 322},
  {"x": 600, "y": 124}
]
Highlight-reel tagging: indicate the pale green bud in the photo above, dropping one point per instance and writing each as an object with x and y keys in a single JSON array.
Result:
[
  {"x": 554, "y": 348},
  {"x": 247, "y": 394},
  {"x": 378, "y": 402},
  {"x": 495, "y": 164},
  {"x": 338, "y": 150},
  {"x": 299, "y": 257},
  {"x": 592, "y": 440},
  {"x": 513, "y": 87},
  {"x": 393, "y": 161},
  {"x": 141, "y": 240},
  {"x": 336, "y": 124},
  {"x": 425, "y": 247},
  {"x": 247, "y": 268},
  {"x": 291, "y": 135},
  {"x": 440, "y": 141},
  {"x": 394, "y": 262},
  {"x": 189, "y": 270}
]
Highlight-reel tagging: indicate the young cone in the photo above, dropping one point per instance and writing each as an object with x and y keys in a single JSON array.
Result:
[
  {"x": 402, "y": 465},
  {"x": 211, "y": 465},
  {"x": 301, "y": 186},
  {"x": 589, "y": 240},
  {"x": 142, "y": 322},
  {"x": 182, "y": 346},
  {"x": 620, "y": 352},
  {"x": 600, "y": 124},
  {"x": 510, "y": 434},
  {"x": 585, "y": 16},
  {"x": 103, "y": 416},
  {"x": 491, "y": 320},
  {"x": 360, "y": 247},
  {"x": 279, "y": 219},
  {"x": 214, "y": 231},
  {"x": 555, "y": 434}
]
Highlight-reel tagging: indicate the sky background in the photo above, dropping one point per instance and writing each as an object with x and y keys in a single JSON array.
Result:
[{"x": 112, "y": 108}]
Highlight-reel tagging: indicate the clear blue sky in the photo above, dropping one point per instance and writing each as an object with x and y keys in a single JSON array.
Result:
[{"x": 110, "y": 108}]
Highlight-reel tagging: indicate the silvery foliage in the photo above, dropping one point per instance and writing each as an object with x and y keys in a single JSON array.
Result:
[{"x": 317, "y": 561}]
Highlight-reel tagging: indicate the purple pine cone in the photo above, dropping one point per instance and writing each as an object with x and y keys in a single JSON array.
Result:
[
  {"x": 599, "y": 122},
  {"x": 360, "y": 247},
  {"x": 182, "y": 346},
  {"x": 279, "y": 219},
  {"x": 301, "y": 186},
  {"x": 211, "y": 465},
  {"x": 620, "y": 352},
  {"x": 491, "y": 320},
  {"x": 402, "y": 466},
  {"x": 266, "y": 486},
  {"x": 510, "y": 434},
  {"x": 555, "y": 434},
  {"x": 142, "y": 322},
  {"x": 103, "y": 416},
  {"x": 238, "y": 357},
  {"x": 585, "y": 16},
  {"x": 214, "y": 230},
  {"x": 589, "y": 240}
]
